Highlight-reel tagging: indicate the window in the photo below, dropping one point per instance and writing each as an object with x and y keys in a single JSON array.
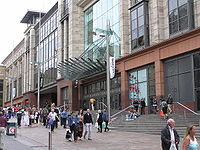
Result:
[
  {"x": 139, "y": 26},
  {"x": 180, "y": 16}
]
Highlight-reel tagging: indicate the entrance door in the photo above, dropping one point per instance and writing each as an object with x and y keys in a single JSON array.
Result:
[{"x": 197, "y": 96}]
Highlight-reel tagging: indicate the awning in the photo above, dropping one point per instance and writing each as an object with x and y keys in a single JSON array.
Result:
[{"x": 80, "y": 68}]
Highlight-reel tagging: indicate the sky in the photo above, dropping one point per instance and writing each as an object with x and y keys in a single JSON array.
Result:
[{"x": 11, "y": 13}]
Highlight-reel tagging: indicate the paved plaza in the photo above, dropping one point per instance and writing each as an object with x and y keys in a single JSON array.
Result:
[{"x": 36, "y": 138}]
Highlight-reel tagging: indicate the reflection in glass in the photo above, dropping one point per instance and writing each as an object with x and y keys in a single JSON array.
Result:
[
  {"x": 172, "y": 4},
  {"x": 196, "y": 59},
  {"x": 183, "y": 23}
]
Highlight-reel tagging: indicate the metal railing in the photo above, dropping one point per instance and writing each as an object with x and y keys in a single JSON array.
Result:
[
  {"x": 185, "y": 110},
  {"x": 121, "y": 111}
]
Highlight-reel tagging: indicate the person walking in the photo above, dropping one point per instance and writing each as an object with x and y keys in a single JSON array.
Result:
[
  {"x": 52, "y": 116},
  {"x": 143, "y": 105},
  {"x": 105, "y": 119},
  {"x": 155, "y": 105},
  {"x": 19, "y": 118},
  {"x": 73, "y": 121},
  {"x": 80, "y": 124},
  {"x": 99, "y": 120},
  {"x": 189, "y": 141},
  {"x": 87, "y": 120},
  {"x": 3, "y": 125},
  {"x": 169, "y": 103},
  {"x": 169, "y": 136},
  {"x": 163, "y": 107}
]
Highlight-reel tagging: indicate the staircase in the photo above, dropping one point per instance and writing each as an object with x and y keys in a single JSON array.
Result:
[{"x": 153, "y": 123}]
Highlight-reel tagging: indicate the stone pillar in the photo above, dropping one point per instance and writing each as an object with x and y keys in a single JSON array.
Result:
[
  {"x": 124, "y": 89},
  {"x": 65, "y": 40},
  {"x": 124, "y": 27},
  {"x": 159, "y": 78},
  {"x": 76, "y": 29},
  {"x": 60, "y": 35},
  {"x": 32, "y": 53}
]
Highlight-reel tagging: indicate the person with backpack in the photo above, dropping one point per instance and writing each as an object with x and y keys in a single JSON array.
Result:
[
  {"x": 105, "y": 119},
  {"x": 164, "y": 107}
]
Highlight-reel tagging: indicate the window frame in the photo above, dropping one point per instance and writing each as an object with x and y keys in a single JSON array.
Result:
[
  {"x": 190, "y": 17},
  {"x": 143, "y": 3}
]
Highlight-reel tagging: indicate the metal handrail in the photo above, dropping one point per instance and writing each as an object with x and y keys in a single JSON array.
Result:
[
  {"x": 188, "y": 109},
  {"x": 120, "y": 111},
  {"x": 103, "y": 104}
]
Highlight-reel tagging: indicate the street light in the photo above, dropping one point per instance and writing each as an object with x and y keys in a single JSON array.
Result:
[{"x": 106, "y": 33}]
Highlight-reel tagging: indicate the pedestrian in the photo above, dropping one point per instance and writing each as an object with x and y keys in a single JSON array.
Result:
[
  {"x": 105, "y": 119},
  {"x": 99, "y": 120},
  {"x": 164, "y": 107},
  {"x": 143, "y": 105},
  {"x": 52, "y": 116},
  {"x": 88, "y": 122},
  {"x": 189, "y": 141},
  {"x": 26, "y": 117},
  {"x": 80, "y": 124},
  {"x": 155, "y": 105},
  {"x": 63, "y": 117},
  {"x": 3, "y": 125},
  {"x": 19, "y": 118},
  {"x": 73, "y": 121},
  {"x": 169, "y": 136},
  {"x": 169, "y": 103}
]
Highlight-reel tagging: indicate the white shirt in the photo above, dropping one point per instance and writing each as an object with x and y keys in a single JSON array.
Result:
[
  {"x": 53, "y": 115},
  {"x": 172, "y": 138}
]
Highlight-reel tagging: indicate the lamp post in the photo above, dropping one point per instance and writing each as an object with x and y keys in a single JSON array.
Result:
[
  {"x": 108, "y": 69},
  {"x": 106, "y": 33}
]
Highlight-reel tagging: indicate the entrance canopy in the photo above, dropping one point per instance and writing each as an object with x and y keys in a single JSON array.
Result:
[{"x": 91, "y": 62}]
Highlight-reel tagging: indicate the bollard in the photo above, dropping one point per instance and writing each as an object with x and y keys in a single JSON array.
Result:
[
  {"x": 50, "y": 140},
  {"x": 15, "y": 130}
]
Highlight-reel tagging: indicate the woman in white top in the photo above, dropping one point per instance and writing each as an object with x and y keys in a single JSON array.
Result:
[
  {"x": 26, "y": 117},
  {"x": 189, "y": 141}
]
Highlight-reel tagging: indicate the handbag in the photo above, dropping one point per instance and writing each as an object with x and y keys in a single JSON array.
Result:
[
  {"x": 173, "y": 147},
  {"x": 103, "y": 125},
  {"x": 96, "y": 125}
]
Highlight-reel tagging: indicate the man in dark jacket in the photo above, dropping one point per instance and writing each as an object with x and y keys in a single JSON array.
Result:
[
  {"x": 87, "y": 120},
  {"x": 169, "y": 136}
]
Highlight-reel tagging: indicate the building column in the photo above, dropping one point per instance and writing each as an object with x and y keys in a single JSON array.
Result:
[
  {"x": 159, "y": 78},
  {"x": 65, "y": 41},
  {"x": 124, "y": 28},
  {"x": 124, "y": 89}
]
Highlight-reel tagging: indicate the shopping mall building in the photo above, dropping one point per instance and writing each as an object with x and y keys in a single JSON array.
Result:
[{"x": 156, "y": 45}]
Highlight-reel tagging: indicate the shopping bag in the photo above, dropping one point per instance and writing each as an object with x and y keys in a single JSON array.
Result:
[
  {"x": 173, "y": 147},
  {"x": 161, "y": 113},
  {"x": 103, "y": 125},
  {"x": 96, "y": 125}
]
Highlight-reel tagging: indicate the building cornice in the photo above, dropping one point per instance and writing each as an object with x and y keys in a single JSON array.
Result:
[{"x": 84, "y": 3}]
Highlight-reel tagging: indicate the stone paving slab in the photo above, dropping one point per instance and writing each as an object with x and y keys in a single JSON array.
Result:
[{"x": 37, "y": 138}]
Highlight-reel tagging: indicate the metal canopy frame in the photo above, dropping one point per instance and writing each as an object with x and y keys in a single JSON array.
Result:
[{"x": 84, "y": 66}]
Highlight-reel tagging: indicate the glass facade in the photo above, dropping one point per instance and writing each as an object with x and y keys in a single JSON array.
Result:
[
  {"x": 139, "y": 25},
  {"x": 47, "y": 55},
  {"x": 142, "y": 84},
  {"x": 180, "y": 16},
  {"x": 97, "y": 90},
  {"x": 96, "y": 18}
]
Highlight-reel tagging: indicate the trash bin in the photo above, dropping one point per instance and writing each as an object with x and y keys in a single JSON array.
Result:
[{"x": 11, "y": 128}]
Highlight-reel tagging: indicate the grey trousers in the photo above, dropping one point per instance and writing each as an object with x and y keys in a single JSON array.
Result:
[{"x": 2, "y": 132}]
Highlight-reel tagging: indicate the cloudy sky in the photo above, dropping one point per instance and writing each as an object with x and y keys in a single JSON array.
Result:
[{"x": 11, "y": 13}]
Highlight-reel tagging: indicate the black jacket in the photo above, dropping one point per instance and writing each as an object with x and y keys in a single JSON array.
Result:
[
  {"x": 165, "y": 138},
  {"x": 87, "y": 118}
]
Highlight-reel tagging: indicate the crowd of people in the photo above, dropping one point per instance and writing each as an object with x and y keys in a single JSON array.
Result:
[{"x": 78, "y": 125}]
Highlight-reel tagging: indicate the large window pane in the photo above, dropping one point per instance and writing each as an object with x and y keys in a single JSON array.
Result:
[
  {"x": 183, "y": 23},
  {"x": 197, "y": 78},
  {"x": 134, "y": 24},
  {"x": 140, "y": 11},
  {"x": 142, "y": 75},
  {"x": 173, "y": 27},
  {"x": 141, "y": 41},
  {"x": 172, "y": 4},
  {"x": 141, "y": 21},
  {"x": 173, "y": 15},
  {"x": 134, "y": 14},
  {"x": 183, "y": 11},
  {"x": 134, "y": 34},
  {"x": 134, "y": 44},
  {"x": 182, "y": 2},
  {"x": 196, "y": 60}
]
